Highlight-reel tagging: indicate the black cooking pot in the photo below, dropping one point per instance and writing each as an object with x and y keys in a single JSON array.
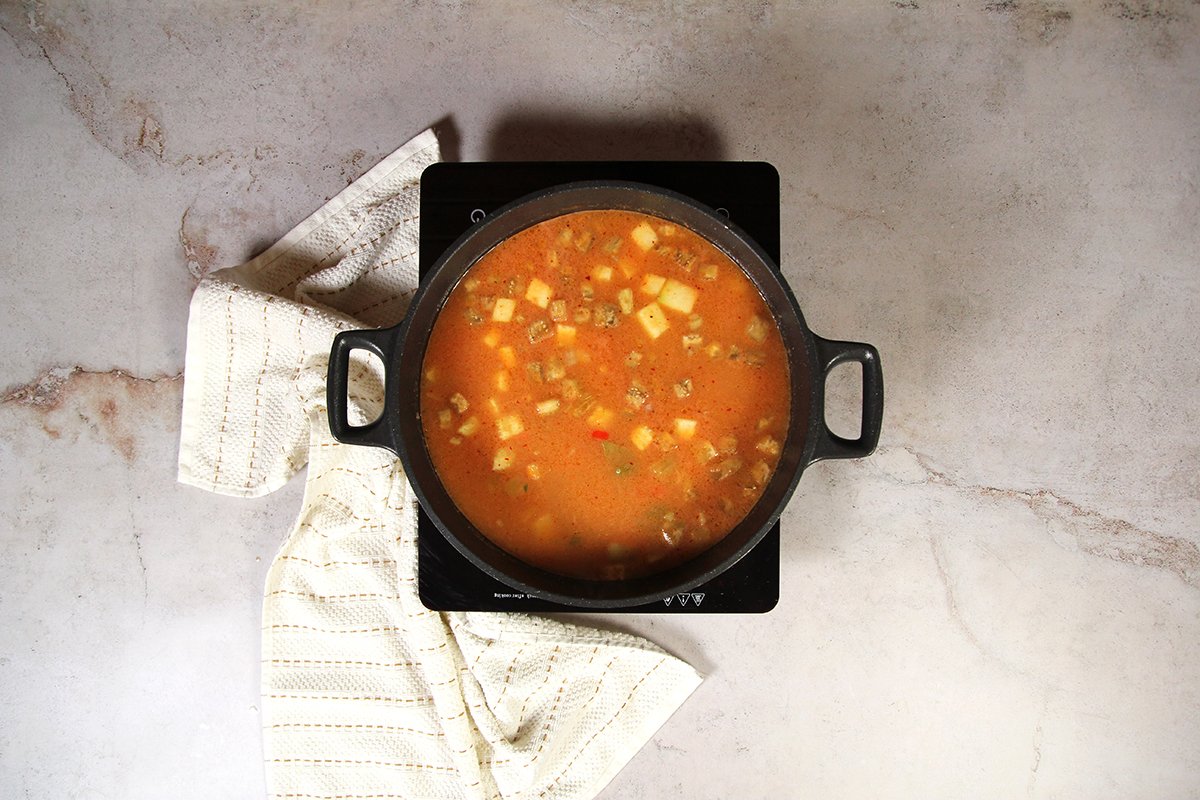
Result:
[{"x": 402, "y": 350}]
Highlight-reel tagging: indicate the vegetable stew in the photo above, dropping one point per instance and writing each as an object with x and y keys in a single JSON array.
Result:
[{"x": 605, "y": 395}]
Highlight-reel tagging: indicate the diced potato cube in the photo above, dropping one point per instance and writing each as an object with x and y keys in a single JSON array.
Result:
[
  {"x": 565, "y": 335},
  {"x": 508, "y": 357},
  {"x": 509, "y": 426},
  {"x": 768, "y": 446},
  {"x": 715, "y": 350},
  {"x": 727, "y": 444},
  {"x": 583, "y": 241},
  {"x": 726, "y": 468},
  {"x": 692, "y": 342},
  {"x": 469, "y": 427},
  {"x": 602, "y": 272},
  {"x": 503, "y": 381},
  {"x": 642, "y": 437},
  {"x": 493, "y": 406},
  {"x": 695, "y": 321},
  {"x": 666, "y": 441},
  {"x": 653, "y": 319},
  {"x": 570, "y": 389},
  {"x": 600, "y": 417},
  {"x": 644, "y": 236},
  {"x": 708, "y": 272},
  {"x": 757, "y": 329},
  {"x": 685, "y": 483},
  {"x": 544, "y": 525},
  {"x": 613, "y": 572},
  {"x": 553, "y": 370},
  {"x": 471, "y": 284},
  {"x": 503, "y": 310},
  {"x": 548, "y": 406},
  {"x": 533, "y": 471},
  {"x": 760, "y": 472},
  {"x": 633, "y": 359},
  {"x": 685, "y": 428},
  {"x": 628, "y": 268},
  {"x": 625, "y": 300},
  {"x": 459, "y": 402},
  {"x": 672, "y": 532},
  {"x": 444, "y": 418},
  {"x": 564, "y": 236},
  {"x": 652, "y": 284},
  {"x": 678, "y": 296},
  {"x": 538, "y": 293},
  {"x": 492, "y": 338},
  {"x": 705, "y": 451},
  {"x": 503, "y": 459},
  {"x": 582, "y": 314},
  {"x": 431, "y": 374}
]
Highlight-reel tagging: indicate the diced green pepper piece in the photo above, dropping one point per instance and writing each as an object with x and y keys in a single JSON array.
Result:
[{"x": 620, "y": 458}]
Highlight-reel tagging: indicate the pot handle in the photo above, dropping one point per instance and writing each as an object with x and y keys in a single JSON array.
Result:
[
  {"x": 377, "y": 433},
  {"x": 829, "y": 444}
]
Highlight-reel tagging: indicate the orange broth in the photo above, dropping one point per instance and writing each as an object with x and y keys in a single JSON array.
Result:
[{"x": 605, "y": 395}]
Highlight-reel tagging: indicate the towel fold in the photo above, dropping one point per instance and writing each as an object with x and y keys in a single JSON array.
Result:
[{"x": 366, "y": 693}]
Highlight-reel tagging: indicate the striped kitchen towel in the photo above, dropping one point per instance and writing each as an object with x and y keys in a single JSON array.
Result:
[{"x": 366, "y": 693}]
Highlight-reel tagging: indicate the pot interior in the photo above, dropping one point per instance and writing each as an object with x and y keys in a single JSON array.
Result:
[{"x": 405, "y": 377}]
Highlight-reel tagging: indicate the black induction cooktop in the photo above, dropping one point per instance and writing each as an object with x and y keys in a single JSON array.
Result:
[{"x": 456, "y": 196}]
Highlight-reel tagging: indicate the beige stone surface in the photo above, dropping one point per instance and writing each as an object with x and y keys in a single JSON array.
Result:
[{"x": 1003, "y": 197}]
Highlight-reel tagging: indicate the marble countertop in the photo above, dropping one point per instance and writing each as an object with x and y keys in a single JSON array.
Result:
[{"x": 1003, "y": 197}]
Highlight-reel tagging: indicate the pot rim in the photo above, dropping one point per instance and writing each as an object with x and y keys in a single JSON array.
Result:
[{"x": 448, "y": 271}]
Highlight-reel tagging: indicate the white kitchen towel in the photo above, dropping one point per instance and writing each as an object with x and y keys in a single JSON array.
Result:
[{"x": 367, "y": 694}]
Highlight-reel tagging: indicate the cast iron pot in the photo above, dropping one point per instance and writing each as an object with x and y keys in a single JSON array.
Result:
[{"x": 402, "y": 350}]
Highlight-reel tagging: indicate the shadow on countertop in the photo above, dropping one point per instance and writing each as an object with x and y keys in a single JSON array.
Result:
[{"x": 549, "y": 136}]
